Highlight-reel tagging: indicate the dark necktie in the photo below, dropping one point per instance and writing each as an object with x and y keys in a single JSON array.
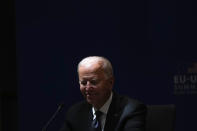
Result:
[{"x": 96, "y": 123}]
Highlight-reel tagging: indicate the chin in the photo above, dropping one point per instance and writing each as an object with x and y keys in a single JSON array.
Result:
[{"x": 90, "y": 101}]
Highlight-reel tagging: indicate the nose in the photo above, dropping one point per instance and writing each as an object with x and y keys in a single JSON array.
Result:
[{"x": 88, "y": 86}]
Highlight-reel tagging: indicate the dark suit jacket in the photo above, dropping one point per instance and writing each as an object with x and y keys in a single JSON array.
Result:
[{"x": 124, "y": 114}]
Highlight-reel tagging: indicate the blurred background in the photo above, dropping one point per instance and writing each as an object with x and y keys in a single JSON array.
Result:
[{"x": 151, "y": 45}]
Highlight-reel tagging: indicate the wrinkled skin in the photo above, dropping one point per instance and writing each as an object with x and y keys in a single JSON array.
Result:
[{"x": 94, "y": 85}]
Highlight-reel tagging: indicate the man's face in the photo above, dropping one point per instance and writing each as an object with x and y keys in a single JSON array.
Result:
[{"x": 94, "y": 85}]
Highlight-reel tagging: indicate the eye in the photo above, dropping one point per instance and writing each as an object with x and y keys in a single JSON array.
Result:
[
  {"x": 83, "y": 83},
  {"x": 94, "y": 82}
]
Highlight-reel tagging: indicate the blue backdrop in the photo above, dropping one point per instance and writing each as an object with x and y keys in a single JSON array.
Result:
[{"x": 148, "y": 43}]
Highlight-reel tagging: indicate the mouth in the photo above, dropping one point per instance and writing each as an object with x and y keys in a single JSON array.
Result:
[{"x": 90, "y": 94}]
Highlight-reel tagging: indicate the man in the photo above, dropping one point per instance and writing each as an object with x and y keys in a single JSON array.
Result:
[{"x": 103, "y": 109}]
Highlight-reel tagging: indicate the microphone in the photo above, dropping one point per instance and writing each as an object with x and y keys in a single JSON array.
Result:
[{"x": 53, "y": 117}]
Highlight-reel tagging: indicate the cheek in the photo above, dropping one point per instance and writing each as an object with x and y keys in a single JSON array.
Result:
[
  {"x": 101, "y": 90},
  {"x": 82, "y": 89},
  {"x": 105, "y": 89}
]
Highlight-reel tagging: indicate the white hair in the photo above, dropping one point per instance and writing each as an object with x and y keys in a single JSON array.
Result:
[{"x": 106, "y": 64}]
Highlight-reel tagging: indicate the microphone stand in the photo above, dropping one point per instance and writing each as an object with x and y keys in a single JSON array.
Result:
[{"x": 53, "y": 117}]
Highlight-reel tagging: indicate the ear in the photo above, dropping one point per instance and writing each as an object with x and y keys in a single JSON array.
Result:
[{"x": 111, "y": 80}]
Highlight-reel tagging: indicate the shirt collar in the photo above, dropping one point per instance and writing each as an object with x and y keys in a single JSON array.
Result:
[{"x": 105, "y": 107}]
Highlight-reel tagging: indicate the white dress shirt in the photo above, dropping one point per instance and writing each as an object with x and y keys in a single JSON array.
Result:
[{"x": 104, "y": 110}]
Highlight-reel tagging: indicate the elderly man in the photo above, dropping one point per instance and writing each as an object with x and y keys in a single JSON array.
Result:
[{"x": 103, "y": 109}]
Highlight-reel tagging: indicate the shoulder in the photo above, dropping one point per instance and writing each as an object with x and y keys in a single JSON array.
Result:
[
  {"x": 77, "y": 109},
  {"x": 134, "y": 102},
  {"x": 135, "y": 105},
  {"x": 80, "y": 106},
  {"x": 128, "y": 104},
  {"x": 76, "y": 116},
  {"x": 132, "y": 113}
]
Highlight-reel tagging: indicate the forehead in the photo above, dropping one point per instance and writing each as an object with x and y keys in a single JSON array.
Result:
[{"x": 94, "y": 70}]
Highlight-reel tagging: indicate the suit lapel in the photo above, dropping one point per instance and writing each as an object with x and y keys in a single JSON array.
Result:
[
  {"x": 85, "y": 119},
  {"x": 113, "y": 114}
]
